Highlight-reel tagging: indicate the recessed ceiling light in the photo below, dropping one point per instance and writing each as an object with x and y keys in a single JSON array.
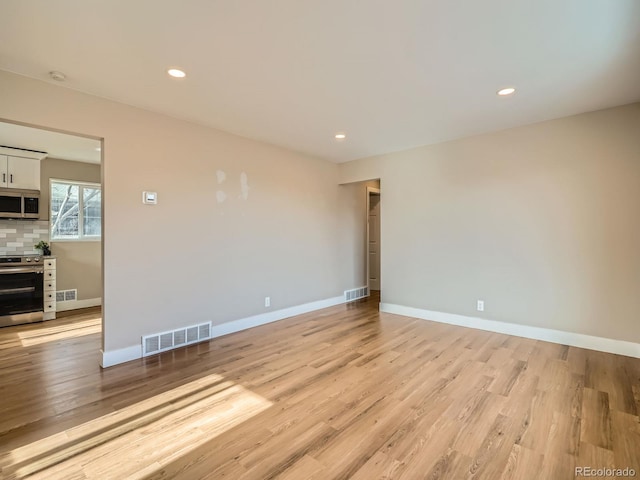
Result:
[
  {"x": 98, "y": 149},
  {"x": 506, "y": 91},
  {"x": 57, "y": 76},
  {"x": 176, "y": 73},
  {"x": 340, "y": 136}
]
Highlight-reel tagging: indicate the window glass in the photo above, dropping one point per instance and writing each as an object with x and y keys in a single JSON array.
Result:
[
  {"x": 91, "y": 211},
  {"x": 75, "y": 211},
  {"x": 64, "y": 210}
]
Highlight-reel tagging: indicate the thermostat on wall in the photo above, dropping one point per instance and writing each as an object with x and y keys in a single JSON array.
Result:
[{"x": 150, "y": 198}]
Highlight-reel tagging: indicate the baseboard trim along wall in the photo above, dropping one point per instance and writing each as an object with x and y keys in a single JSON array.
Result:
[
  {"x": 609, "y": 345},
  {"x": 122, "y": 355},
  {"x": 76, "y": 304},
  {"x": 115, "y": 357}
]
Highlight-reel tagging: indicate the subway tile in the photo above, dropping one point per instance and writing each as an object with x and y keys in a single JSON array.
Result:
[{"x": 19, "y": 237}]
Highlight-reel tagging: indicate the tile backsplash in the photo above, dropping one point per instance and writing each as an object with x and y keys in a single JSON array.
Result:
[{"x": 17, "y": 237}]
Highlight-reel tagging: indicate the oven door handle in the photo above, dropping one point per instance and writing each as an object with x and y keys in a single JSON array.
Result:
[
  {"x": 10, "y": 291},
  {"x": 8, "y": 271}
]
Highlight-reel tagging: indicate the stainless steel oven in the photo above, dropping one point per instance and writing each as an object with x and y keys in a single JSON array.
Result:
[{"x": 21, "y": 290}]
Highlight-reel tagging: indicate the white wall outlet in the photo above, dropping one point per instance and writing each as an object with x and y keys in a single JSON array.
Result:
[
  {"x": 480, "y": 305},
  {"x": 150, "y": 198},
  {"x": 267, "y": 301}
]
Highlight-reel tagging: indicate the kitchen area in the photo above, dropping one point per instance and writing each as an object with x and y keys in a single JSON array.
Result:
[{"x": 50, "y": 224}]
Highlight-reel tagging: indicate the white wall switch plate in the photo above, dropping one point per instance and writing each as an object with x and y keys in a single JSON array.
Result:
[
  {"x": 267, "y": 301},
  {"x": 480, "y": 305},
  {"x": 150, "y": 198}
]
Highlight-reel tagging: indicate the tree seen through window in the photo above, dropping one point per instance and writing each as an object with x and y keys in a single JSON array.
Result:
[{"x": 75, "y": 211}]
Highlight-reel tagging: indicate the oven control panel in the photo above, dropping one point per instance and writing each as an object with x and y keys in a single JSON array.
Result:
[{"x": 22, "y": 260}]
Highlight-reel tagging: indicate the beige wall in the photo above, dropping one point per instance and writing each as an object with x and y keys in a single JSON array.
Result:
[
  {"x": 78, "y": 266},
  {"x": 78, "y": 263},
  {"x": 541, "y": 222},
  {"x": 192, "y": 258}
]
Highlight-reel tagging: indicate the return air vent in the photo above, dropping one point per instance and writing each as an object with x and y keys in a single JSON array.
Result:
[
  {"x": 66, "y": 295},
  {"x": 356, "y": 293},
  {"x": 160, "y": 342}
]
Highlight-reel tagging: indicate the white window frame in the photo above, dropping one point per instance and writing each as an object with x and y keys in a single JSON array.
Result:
[{"x": 81, "y": 185}]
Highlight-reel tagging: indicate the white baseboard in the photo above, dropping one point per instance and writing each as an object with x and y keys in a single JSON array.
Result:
[
  {"x": 75, "y": 304},
  {"x": 264, "y": 318},
  {"x": 114, "y": 357},
  {"x": 609, "y": 345}
]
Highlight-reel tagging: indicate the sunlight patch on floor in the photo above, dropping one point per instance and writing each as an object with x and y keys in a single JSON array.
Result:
[
  {"x": 60, "y": 332},
  {"x": 140, "y": 438}
]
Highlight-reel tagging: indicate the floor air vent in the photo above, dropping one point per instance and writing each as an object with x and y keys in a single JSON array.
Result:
[
  {"x": 160, "y": 342},
  {"x": 356, "y": 293}
]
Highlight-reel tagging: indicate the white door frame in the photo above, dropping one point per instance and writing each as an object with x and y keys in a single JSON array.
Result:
[{"x": 375, "y": 191}]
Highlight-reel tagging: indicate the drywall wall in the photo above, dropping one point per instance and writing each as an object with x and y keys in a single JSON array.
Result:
[
  {"x": 78, "y": 264},
  {"x": 192, "y": 258},
  {"x": 541, "y": 222}
]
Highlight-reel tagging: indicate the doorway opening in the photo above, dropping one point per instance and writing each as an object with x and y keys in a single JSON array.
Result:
[
  {"x": 373, "y": 241},
  {"x": 64, "y": 237}
]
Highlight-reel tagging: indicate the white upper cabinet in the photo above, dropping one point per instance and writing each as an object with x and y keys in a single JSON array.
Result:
[
  {"x": 18, "y": 172},
  {"x": 4, "y": 172}
]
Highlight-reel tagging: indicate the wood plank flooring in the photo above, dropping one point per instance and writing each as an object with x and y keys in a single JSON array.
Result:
[{"x": 345, "y": 392}]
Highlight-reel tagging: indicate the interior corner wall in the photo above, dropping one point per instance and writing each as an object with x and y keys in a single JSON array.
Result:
[
  {"x": 79, "y": 263},
  {"x": 542, "y": 222},
  {"x": 236, "y": 219}
]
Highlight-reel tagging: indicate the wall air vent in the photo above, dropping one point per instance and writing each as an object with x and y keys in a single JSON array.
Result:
[
  {"x": 66, "y": 295},
  {"x": 163, "y": 341},
  {"x": 356, "y": 293}
]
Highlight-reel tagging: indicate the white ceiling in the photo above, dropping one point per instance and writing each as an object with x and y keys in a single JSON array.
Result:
[
  {"x": 391, "y": 74},
  {"x": 57, "y": 145}
]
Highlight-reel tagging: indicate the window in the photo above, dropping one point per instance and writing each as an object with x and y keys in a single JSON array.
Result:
[{"x": 75, "y": 211}]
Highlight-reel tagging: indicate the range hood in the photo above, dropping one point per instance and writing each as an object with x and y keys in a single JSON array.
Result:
[{"x": 22, "y": 152}]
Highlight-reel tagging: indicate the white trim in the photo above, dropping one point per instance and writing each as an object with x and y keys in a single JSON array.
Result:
[
  {"x": 114, "y": 357},
  {"x": 609, "y": 345},
  {"x": 264, "y": 318},
  {"x": 134, "y": 352},
  {"x": 86, "y": 238},
  {"x": 75, "y": 304}
]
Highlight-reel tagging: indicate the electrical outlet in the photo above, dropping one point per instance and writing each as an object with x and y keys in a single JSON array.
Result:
[
  {"x": 267, "y": 301},
  {"x": 480, "y": 305}
]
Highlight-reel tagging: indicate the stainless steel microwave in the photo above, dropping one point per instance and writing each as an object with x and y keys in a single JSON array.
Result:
[{"x": 16, "y": 203}]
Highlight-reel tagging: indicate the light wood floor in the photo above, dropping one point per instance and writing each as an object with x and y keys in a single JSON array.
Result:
[{"x": 340, "y": 393}]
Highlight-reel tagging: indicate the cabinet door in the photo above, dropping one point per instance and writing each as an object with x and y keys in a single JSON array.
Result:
[
  {"x": 4, "y": 174},
  {"x": 24, "y": 173}
]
